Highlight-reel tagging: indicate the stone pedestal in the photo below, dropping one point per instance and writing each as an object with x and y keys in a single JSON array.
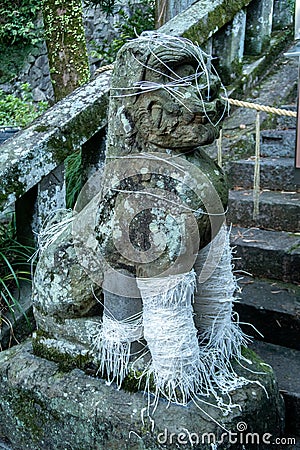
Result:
[{"x": 44, "y": 408}]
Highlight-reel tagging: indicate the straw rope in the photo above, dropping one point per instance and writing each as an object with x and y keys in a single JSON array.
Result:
[
  {"x": 104, "y": 68},
  {"x": 268, "y": 109}
]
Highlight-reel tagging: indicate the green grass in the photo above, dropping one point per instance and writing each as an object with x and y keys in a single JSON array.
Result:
[{"x": 14, "y": 268}]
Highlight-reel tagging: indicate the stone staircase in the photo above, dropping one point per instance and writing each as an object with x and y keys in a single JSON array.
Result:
[{"x": 269, "y": 249}]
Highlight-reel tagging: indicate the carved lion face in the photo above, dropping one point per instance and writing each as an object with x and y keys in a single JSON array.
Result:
[{"x": 180, "y": 107}]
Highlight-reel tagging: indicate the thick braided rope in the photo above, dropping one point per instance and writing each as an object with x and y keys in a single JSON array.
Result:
[
  {"x": 104, "y": 68},
  {"x": 268, "y": 109}
]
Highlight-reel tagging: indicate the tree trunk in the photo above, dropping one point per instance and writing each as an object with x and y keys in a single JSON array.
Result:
[{"x": 65, "y": 39}]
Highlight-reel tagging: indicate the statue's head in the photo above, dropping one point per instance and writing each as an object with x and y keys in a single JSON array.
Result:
[{"x": 165, "y": 94}]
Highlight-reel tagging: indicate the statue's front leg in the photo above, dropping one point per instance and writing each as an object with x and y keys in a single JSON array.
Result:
[
  {"x": 220, "y": 337},
  {"x": 118, "y": 341},
  {"x": 171, "y": 335}
]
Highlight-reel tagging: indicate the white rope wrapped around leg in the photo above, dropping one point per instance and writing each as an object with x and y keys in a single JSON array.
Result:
[
  {"x": 220, "y": 336},
  {"x": 171, "y": 335},
  {"x": 113, "y": 345}
]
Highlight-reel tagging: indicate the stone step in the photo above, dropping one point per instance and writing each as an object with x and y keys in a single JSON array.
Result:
[
  {"x": 267, "y": 254},
  {"x": 277, "y": 210},
  {"x": 276, "y": 173},
  {"x": 286, "y": 365},
  {"x": 278, "y": 143},
  {"x": 273, "y": 308}
]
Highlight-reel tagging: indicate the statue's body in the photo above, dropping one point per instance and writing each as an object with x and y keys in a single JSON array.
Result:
[{"x": 161, "y": 200}]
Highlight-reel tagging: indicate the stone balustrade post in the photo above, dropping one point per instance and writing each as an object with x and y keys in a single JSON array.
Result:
[
  {"x": 35, "y": 206},
  {"x": 282, "y": 15},
  {"x": 228, "y": 44},
  {"x": 258, "y": 26},
  {"x": 51, "y": 196}
]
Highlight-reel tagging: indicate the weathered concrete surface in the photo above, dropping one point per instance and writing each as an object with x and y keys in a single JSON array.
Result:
[
  {"x": 51, "y": 410},
  {"x": 37, "y": 150},
  {"x": 271, "y": 254},
  {"x": 277, "y": 210}
]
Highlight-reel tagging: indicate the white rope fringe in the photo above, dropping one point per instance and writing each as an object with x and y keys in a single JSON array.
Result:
[
  {"x": 220, "y": 337},
  {"x": 112, "y": 343},
  {"x": 53, "y": 227},
  {"x": 171, "y": 335}
]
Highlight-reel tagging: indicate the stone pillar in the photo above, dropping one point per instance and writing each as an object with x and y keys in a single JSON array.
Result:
[
  {"x": 34, "y": 207},
  {"x": 283, "y": 13},
  {"x": 258, "y": 26},
  {"x": 228, "y": 46},
  {"x": 51, "y": 196}
]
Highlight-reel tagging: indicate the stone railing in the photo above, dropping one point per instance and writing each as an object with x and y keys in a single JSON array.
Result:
[{"x": 32, "y": 162}]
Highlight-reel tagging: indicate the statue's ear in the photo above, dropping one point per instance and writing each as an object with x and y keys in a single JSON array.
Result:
[
  {"x": 149, "y": 109},
  {"x": 155, "y": 109}
]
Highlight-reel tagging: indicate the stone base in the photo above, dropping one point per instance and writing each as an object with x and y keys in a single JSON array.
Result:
[{"x": 43, "y": 408}]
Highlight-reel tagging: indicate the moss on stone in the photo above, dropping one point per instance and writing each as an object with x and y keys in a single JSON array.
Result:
[
  {"x": 215, "y": 20},
  {"x": 135, "y": 381},
  {"x": 13, "y": 58},
  {"x": 256, "y": 360},
  {"x": 42, "y": 128},
  {"x": 30, "y": 413},
  {"x": 65, "y": 361},
  {"x": 80, "y": 133},
  {"x": 66, "y": 46}
]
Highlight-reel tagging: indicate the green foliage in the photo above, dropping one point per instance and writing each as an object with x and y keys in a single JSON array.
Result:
[
  {"x": 17, "y": 21},
  {"x": 12, "y": 58},
  {"x": 141, "y": 18},
  {"x": 14, "y": 267},
  {"x": 16, "y": 111},
  {"x": 106, "y": 6},
  {"x": 73, "y": 178}
]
